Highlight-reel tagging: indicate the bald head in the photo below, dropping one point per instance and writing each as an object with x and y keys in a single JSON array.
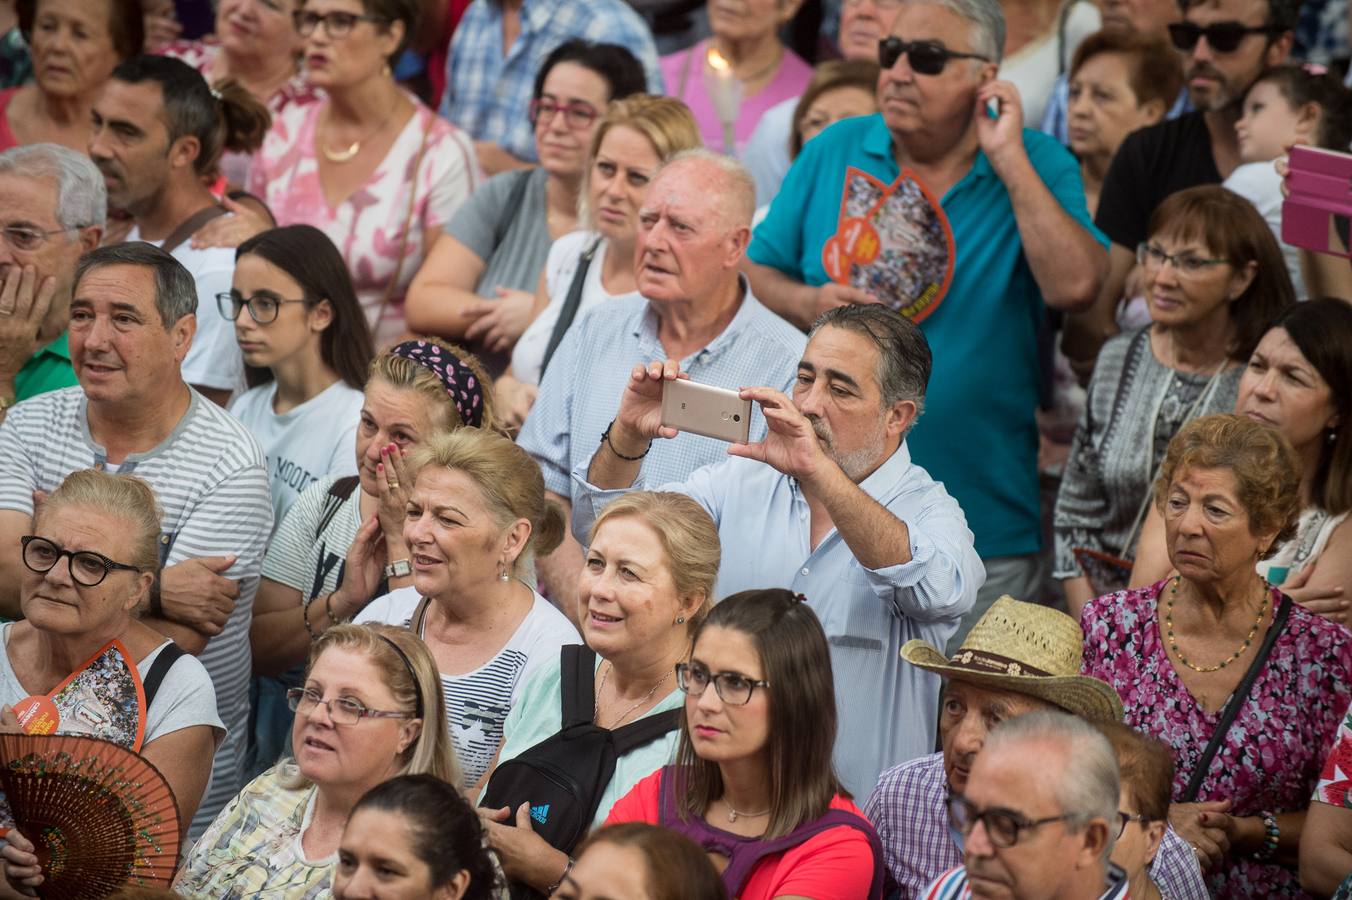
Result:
[{"x": 722, "y": 180}]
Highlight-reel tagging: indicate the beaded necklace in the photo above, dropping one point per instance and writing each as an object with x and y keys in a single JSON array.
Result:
[{"x": 1173, "y": 644}]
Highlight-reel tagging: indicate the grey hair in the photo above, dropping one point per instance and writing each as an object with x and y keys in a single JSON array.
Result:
[
  {"x": 738, "y": 195},
  {"x": 175, "y": 289},
  {"x": 81, "y": 196},
  {"x": 1087, "y": 779},
  {"x": 988, "y": 23},
  {"x": 904, "y": 358}
]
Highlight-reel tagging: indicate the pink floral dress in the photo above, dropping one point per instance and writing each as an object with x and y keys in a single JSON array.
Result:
[
  {"x": 371, "y": 225},
  {"x": 1271, "y": 757}
]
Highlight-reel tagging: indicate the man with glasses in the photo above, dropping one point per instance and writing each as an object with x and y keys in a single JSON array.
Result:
[
  {"x": 1038, "y": 816},
  {"x": 1225, "y": 45},
  {"x": 131, "y": 323},
  {"x": 1018, "y": 659},
  {"x": 1013, "y": 203},
  {"x": 52, "y": 209}
]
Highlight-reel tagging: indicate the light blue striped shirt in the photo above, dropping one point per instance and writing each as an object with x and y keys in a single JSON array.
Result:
[{"x": 887, "y": 709}]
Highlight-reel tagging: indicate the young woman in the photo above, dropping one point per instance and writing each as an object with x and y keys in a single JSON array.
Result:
[
  {"x": 640, "y": 862},
  {"x": 306, "y": 347}
]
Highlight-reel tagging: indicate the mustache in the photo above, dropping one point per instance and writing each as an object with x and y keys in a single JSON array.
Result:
[
  {"x": 1203, "y": 69},
  {"x": 820, "y": 428}
]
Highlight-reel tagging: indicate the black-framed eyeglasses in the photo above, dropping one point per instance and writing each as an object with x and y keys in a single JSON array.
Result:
[
  {"x": 263, "y": 307},
  {"x": 1223, "y": 37},
  {"x": 926, "y": 57},
  {"x": 1003, "y": 826},
  {"x": 87, "y": 568},
  {"x": 337, "y": 25},
  {"x": 578, "y": 115},
  {"x": 731, "y": 687},
  {"x": 1124, "y": 817},
  {"x": 342, "y": 710},
  {"x": 26, "y": 240},
  {"x": 1187, "y": 263}
]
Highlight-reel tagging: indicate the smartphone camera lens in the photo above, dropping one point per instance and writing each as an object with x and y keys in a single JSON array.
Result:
[{"x": 736, "y": 417}]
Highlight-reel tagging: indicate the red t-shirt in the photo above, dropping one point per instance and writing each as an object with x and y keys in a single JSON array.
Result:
[
  {"x": 7, "y": 138},
  {"x": 836, "y": 864}
]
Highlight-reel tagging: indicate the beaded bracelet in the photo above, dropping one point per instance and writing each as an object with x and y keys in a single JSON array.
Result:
[
  {"x": 605, "y": 439},
  {"x": 1270, "y": 840},
  {"x": 305, "y": 617}
]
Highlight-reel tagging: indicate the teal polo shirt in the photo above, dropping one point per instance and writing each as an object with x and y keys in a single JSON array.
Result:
[
  {"x": 978, "y": 434},
  {"x": 47, "y": 370}
]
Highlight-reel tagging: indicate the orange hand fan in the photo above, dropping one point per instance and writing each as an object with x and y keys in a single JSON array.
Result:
[{"x": 100, "y": 816}]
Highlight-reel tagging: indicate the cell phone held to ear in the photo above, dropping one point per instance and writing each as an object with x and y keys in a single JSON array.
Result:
[
  {"x": 1318, "y": 212},
  {"x": 704, "y": 409}
]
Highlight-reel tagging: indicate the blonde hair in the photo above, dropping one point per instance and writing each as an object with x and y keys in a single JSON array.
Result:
[
  {"x": 431, "y": 752},
  {"x": 405, "y": 374},
  {"x": 688, "y": 537},
  {"x": 509, "y": 480},
  {"x": 125, "y": 496},
  {"x": 666, "y": 122}
]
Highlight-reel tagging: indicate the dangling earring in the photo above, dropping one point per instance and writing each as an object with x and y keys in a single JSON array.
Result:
[
  {"x": 502, "y": 571},
  {"x": 1333, "y": 435},
  {"x": 387, "y": 71}
]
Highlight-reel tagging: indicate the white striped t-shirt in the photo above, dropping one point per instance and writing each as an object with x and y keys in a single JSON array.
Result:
[{"x": 211, "y": 482}]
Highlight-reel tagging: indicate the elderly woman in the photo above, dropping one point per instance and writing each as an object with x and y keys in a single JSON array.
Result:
[
  {"x": 596, "y": 263},
  {"x": 369, "y": 165},
  {"x": 75, "y": 44},
  {"x": 1146, "y": 771},
  {"x": 370, "y": 709},
  {"x": 647, "y": 583},
  {"x": 754, "y": 760},
  {"x": 738, "y": 74},
  {"x": 474, "y": 522},
  {"x": 1214, "y": 279},
  {"x": 642, "y": 862},
  {"x": 476, "y": 285},
  {"x": 414, "y": 391},
  {"x": 90, "y": 563},
  {"x": 1178, "y": 650},
  {"x": 1299, "y": 381}
]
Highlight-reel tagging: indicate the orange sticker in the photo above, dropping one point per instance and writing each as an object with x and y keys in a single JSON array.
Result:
[
  {"x": 835, "y": 260},
  {"x": 37, "y": 715},
  {"x": 860, "y": 239}
]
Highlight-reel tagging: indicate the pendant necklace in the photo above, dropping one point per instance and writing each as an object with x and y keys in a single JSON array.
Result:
[
  {"x": 352, "y": 149},
  {"x": 734, "y": 815}
]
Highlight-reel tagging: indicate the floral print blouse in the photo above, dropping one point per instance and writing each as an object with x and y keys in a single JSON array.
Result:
[{"x": 1271, "y": 757}]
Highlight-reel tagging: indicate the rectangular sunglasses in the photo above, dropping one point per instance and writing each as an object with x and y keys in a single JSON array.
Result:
[{"x": 926, "y": 57}]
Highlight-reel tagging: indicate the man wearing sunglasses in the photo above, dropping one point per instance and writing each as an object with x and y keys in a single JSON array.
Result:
[
  {"x": 1022, "y": 240},
  {"x": 1225, "y": 45},
  {"x": 1018, "y": 659}
]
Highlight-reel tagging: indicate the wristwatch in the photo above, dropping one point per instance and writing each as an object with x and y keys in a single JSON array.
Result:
[{"x": 398, "y": 569}]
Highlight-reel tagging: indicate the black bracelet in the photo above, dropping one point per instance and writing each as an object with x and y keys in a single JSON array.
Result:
[
  {"x": 605, "y": 439},
  {"x": 1271, "y": 838}
]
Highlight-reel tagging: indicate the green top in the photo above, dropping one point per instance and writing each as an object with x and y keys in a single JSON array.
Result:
[{"x": 48, "y": 370}]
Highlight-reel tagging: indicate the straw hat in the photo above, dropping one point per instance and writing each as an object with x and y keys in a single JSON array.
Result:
[{"x": 1029, "y": 649}]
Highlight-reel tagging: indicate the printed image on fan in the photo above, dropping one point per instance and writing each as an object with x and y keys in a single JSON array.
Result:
[
  {"x": 862, "y": 193},
  {"x": 101, "y": 700},
  {"x": 913, "y": 263}
]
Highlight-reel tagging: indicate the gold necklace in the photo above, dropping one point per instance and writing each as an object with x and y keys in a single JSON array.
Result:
[
  {"x": 734, "y": 815},
  {"x": 1173, "y": 644},
  {"x": 644, "y": 699},
  {"x": 352, "y": 149}
]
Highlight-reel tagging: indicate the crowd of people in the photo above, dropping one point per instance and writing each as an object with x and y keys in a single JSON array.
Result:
[{"x": 364, "y": 465}]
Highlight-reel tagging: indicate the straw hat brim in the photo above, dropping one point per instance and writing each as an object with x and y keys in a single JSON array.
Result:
[{"x": 1089, "y": 698}]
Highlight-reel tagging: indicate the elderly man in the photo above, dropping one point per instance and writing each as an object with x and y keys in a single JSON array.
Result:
[
  {"x": 830, "y": 505},
  {"x": 694, "y": 226},
  {"x": 131, "y": 324},
  {"x": 146, "y": 141},
  {"x": 1044, "y": 795},
  {"x": 1019, "y": 658},
  {"x": 54, "y": 206},
  {"x": 1020, "y": 236}
]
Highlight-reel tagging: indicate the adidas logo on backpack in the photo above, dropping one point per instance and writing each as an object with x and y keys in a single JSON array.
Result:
[{"x": 540, "y": 813}]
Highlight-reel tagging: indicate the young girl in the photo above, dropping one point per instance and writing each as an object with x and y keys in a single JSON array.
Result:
[{"x": 1287, "y": 105}]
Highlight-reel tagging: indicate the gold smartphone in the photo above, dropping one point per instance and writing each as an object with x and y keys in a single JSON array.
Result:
[{"x": 704, "y": 409}]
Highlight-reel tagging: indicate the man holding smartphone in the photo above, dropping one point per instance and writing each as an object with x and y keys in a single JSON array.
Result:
[{"x": 830, "y": 505}]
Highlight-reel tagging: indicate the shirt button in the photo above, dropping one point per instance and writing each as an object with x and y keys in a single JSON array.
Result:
[{"x": 805, "y": 570}]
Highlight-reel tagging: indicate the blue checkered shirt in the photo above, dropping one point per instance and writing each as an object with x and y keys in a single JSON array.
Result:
[
  {"x": 908, "y": 810},
  {"x": 488, "y": 95}
]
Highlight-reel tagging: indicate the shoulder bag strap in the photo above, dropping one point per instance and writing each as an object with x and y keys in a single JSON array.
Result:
[
  {"x": 1236, "y": 700},
  {"x": 158, "y": 669},
  {"x": 741, "y": 868},
  {"x": 570, "y": 305},
  {"x": 339, "y": 493},
  {"x": 188, "y": 227},
  {"x": 577, "y": 674},
  {"x": 645, "y": 730},
  {"x": 419, "y": 616}
]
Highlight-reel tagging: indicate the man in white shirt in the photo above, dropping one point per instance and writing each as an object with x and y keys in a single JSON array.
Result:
[{"x": 156, "y": 139}]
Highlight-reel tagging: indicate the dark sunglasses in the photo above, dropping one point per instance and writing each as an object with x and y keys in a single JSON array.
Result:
[
  {"x": 1223, "y": 37},
  {"x": 926, "y": 57}
]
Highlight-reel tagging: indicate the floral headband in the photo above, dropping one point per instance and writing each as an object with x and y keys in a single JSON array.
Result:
[{"x": 459, "y": 380}]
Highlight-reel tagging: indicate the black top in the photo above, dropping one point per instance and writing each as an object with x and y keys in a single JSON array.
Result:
[{"x": 1151, "y": 164}]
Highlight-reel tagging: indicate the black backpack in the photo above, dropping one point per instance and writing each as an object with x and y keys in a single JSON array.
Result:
[{"x": 563, "y": 776}]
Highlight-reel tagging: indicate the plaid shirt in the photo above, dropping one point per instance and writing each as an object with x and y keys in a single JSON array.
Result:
[
  {"x": 488, "y": 95},
  {"x": 907, "y": 809}
]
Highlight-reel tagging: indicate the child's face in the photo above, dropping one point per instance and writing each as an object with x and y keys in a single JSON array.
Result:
[{"x": 1270, "y": 124}]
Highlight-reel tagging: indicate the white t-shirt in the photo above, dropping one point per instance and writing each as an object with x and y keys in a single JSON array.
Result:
[
  {"x": 560, "y": 268},
  {"x": 214, "y": 359},
  {"x": 478, "y": 702},
  {"x": 317, "y": 438},
  {"x": 1036, "y": 65},
  {"x": 301, "y": 556},
  {"x": 1259, "y": 183}
]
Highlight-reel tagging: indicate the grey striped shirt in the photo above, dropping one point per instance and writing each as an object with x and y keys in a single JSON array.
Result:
[{"x": 211, "y": 481}]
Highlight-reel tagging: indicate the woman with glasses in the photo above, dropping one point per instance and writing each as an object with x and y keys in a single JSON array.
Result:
[
  {"x": 306, "y": 349},
  {"x": 80, "y": 658},
  {"x": 370, "y": 709},
  {"x": 1214, "y": 277},
  {"x": 753, "y": 782},
  {"x": 478, "y": 283},
  {"x": 369, "y": 165},
  {"x": 1146, "y": 773},
  {"x": 647, "y": 583}
]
